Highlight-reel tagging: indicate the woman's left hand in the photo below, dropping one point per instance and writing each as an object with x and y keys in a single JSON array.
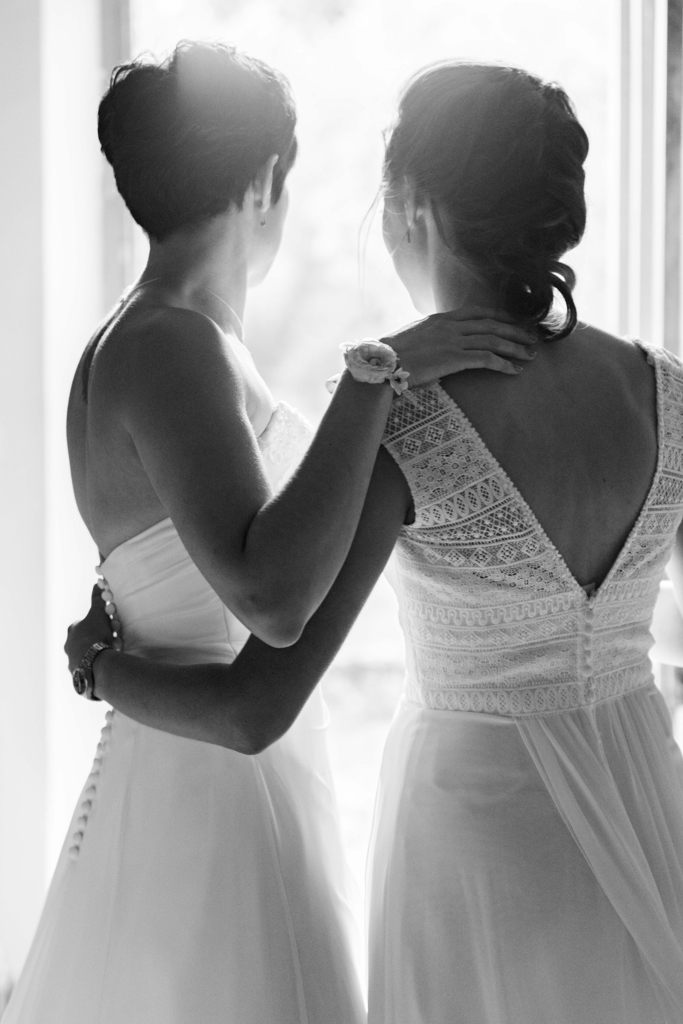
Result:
[
  {"x": 96, "y": 627},
  {"x": 463, "y": 339}
]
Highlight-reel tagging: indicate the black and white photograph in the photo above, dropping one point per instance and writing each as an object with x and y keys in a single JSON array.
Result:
[{"x": 341, "y": 528}]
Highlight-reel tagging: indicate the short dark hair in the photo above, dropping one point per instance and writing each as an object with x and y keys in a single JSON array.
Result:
[
  {"x": 499, "y": 154},
  {"x": 187, "y": 136}
]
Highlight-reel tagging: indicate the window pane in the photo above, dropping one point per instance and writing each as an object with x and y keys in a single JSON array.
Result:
[{"x": 332, "y": 282}]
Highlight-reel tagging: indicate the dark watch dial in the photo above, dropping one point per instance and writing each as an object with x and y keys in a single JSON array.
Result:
[{"x": 80, "y": 681}]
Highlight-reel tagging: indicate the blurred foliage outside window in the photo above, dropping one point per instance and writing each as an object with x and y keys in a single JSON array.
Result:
[{"x": 333, "y": 280}]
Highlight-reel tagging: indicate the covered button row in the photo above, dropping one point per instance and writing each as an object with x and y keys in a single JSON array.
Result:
[
  {"x": 587, "y": 642},
  {"x": 110, "y": 607},
  {"x": 90, "y": 790}
]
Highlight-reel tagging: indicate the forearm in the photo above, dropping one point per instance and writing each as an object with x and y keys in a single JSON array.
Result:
[
  {"x": 250, "y": 703},
  {"x": 200, "y": 702},
  {"x": 244, "y": 706},
  {"x": 298, "y": 542}
]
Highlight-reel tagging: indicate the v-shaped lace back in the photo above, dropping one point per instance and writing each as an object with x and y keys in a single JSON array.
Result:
[{"x": 494, "y": 620}]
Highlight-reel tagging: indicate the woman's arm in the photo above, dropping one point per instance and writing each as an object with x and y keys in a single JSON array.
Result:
[
  {"x": 249, "y": 704},
  {"x": 273, "y": 560}
]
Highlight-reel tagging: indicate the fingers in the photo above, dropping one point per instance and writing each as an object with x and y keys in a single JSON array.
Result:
[
  {"x": 456, "y": 358},
  {"x": 69, "y": 631},
  {"x": 477, "y": 320},
  {"x": 97, "y": 626},
  {"x": 476, "y": 328},
  {"x": 503, "y": 347},
  {"x": 487, "y": 360},
  {"x": 97, "y": 616},
  {"x": 474, "y": 313},
  {"x": 499, "y": 346}
]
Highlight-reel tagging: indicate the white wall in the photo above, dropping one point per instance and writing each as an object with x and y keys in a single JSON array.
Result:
[
  {"x": 22, "y": 483},
  {"x": 50, "y": 300}
]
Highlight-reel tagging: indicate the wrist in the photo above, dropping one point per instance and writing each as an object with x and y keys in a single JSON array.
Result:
[
  {"x": 363, "y": 387},
  {"x": 101, "y": 672},
  {"x": 371, "y": 401},
  {"x": 372, "y": 362},
  {"x": 370, "y": 395},
  {"x": 83, "y": 675}
]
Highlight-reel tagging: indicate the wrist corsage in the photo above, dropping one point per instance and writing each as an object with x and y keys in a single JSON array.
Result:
[{"x": 372, "y": 362}]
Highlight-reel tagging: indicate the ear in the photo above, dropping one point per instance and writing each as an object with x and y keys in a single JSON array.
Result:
[
  {"x": 409, "y": 203},
  {"x": 263, "y": 184},
  {"x": 416, "y": 209}
]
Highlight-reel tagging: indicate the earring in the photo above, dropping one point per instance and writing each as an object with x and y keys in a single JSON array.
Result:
[{"x": 408, "y": 236}]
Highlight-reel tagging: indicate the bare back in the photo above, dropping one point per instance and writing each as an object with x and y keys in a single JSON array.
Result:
[
  {"x": 113, "y": 491},
  {"x": 576, "y": 432}
]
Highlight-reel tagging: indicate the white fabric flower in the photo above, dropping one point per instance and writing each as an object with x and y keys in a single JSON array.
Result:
[{"x": 372, "y": 362}]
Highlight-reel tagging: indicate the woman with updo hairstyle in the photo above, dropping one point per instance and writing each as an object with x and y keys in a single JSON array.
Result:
[
  {"x": 505, "y": 181},
  {"x": 196, "y": 884},
  {"x": 526, "y": 863}
]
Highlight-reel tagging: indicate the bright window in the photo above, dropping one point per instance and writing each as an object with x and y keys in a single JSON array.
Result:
[{"x": 346, "y": 61}]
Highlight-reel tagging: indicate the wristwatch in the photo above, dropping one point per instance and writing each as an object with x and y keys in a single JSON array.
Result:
[{"x": 82, "y": 675}]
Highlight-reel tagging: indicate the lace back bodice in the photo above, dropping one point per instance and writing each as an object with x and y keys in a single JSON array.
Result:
[{"x": 494, "y": 620}]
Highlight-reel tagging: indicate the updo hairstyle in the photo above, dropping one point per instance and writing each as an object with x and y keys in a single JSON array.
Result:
[
  {"x": 186, "y": 137},
  {"x": 499, "y": 155}
]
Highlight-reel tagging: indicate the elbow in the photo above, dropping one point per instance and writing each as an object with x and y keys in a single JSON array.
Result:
[
  {"x": 256, "y": 745},
  {"x": 279, "y": 626},
  {"x": 272, "y": 613},
  {"x": 250, "y": 725},
  {"x": 279, "y": 634},
  {"x": 256, "y": 738}
]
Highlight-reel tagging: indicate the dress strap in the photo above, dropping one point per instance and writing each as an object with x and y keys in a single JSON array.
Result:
[
  {"x": 432, "y": 444},
  {"x": 668, "y": 493}
]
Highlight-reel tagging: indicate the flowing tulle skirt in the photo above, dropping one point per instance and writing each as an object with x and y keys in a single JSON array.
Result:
[
  {"x": 198, "y": 886},
  {"x": 529, "y": 871}
]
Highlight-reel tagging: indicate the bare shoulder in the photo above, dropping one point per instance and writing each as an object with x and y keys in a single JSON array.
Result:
[
  {"x": 623, "y": 353},
  {"x": 155, "y": 354},
  {"x": 162, "y": 339},
  {"x": 619, "y": 364}
]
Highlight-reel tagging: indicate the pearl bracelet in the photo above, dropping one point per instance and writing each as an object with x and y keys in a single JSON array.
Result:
[{"x": 372, "y": 362}]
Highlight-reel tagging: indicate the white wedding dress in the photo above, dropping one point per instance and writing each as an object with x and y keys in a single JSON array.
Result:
[
  {"x": 527, "y": 861},
  {"x": 197, "y": 885}
]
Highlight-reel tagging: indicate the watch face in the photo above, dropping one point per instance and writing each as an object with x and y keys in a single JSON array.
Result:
[{"x": 80, "y": 681}]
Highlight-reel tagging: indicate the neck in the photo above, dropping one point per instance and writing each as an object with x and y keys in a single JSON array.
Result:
[
  {"x": 454, "y": 286},
  {"x": 204, "y": 269},
  {"x": 453, "y": 282}
]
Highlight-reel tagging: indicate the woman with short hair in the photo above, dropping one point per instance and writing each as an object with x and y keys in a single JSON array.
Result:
[{"x": 197, "y": 885}]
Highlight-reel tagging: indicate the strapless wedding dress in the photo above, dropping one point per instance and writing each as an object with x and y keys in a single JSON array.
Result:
[
  {"x": 197, "y": 885},
  {"x": 527, "y": 863}
]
